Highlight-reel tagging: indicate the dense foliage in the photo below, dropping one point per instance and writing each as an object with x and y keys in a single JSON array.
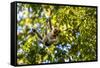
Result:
[{"x": 77, "y": 39}]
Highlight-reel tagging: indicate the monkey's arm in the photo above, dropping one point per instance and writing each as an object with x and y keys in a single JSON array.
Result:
[
  {"x": 48, "y": 13},
  {"x": 49, "y": 23}
]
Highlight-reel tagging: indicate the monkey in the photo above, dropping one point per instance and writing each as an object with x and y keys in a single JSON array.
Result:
[{"x": 50, "y": 38}]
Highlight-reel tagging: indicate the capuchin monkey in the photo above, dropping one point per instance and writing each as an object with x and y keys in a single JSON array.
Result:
[{"x": 50, "y": 38}]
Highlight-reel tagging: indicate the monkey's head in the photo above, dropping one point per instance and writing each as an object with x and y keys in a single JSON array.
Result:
[{"x": 56, "y": 31}]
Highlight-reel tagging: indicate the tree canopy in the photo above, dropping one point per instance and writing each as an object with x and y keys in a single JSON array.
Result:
[{"x": 76, "y": 41}]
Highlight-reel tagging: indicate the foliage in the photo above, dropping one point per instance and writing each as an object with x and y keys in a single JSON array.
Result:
[{"x": 77, "y": 40}]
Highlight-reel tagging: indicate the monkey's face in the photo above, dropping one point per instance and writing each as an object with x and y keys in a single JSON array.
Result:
[{"x": 56, "y": 31}]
